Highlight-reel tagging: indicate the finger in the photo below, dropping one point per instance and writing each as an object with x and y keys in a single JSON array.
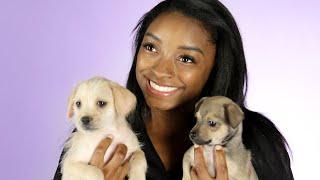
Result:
[
  {"x": 116, "y": 159},
  {"x": 193, "y": 174},
  {"x": 221, "y": 163},
  {"x": 123, "y": 170},
  {"x": 97, "y": 158},
  {"x": 199, "y": 161}
]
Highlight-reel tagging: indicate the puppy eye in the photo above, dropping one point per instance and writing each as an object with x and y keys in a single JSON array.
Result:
[
  {"x": 78, "y": 104},
  {"x": 212, "y": 123},
  {"x": 101, "y": 103}
]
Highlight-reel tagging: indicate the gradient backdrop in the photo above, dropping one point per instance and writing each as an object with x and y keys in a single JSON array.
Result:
[{"x": 47, "y": 46}]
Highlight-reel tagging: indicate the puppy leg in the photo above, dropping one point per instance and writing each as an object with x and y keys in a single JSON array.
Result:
[
  {"x": 252, "y": 173},
  {"x": 81, "y": 171},
  {"x": 188, "y": 162},
  {"x": 137, "y": 166}
]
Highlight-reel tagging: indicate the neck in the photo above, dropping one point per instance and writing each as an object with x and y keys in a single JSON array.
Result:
[
  {"x": 235, "y": 145},
  {"x": 169, "y": 131},
  {"x": 168, "y": 124}
]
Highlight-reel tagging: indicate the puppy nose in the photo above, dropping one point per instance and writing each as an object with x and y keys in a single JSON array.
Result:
[
  {"x": 86, "y": 120},
  {"x": 193, "y": 134}
]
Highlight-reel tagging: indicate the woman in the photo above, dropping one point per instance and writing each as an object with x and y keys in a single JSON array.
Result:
[{"x": 184, "y": 50}]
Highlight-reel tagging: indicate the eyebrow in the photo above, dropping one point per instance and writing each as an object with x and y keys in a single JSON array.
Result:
[
  {"x": 153, "y": 36},
  {"x": 191, "y": 48}
]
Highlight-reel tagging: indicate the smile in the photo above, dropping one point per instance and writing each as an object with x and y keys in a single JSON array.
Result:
[{"x": 161, "y": 90}]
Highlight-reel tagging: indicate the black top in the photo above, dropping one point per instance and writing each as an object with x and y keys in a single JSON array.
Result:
[
  {"x": 268, "y": 149},
  {"x": 155, "y": 171}
]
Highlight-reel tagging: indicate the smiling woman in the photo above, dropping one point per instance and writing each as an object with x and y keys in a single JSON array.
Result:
[
  {"x": 173, "y": 63},
  {"x": 185, "y": 50}
]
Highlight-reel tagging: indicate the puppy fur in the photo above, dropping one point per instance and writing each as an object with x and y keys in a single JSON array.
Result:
[
  {"x": 219, "y": 122},
  {"x": 98, "y": 107}
]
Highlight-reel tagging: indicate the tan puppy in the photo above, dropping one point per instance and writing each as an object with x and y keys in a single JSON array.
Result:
[
  {"x": 98, "y": 107},
  {"x": 219, "y": 122}
]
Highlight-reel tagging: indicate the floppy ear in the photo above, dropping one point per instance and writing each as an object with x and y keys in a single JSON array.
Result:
[
  {"x": 124, "y": 100},
  {"x": 198, "y": 104},
  {"x": 70, "y": 103},
  {"x": 234, "y": 114}
]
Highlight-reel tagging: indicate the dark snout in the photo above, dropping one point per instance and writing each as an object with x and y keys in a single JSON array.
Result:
[
  {"x": 86, "y": 120},
  {"x": 196, "y": 139},
  {"x": 193, "y": 134}
]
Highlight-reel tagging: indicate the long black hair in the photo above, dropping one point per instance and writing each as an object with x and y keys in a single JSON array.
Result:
[{"x": 228, "y": 78}]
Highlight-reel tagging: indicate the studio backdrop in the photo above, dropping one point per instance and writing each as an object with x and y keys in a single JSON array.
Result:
[{"x": 47, "y": 46}]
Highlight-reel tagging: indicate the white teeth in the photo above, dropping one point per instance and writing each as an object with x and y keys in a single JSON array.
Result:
[{"x": 162, "y": 88}]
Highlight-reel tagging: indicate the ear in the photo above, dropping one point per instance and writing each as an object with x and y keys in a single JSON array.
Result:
[
  {"x": 70, "y": 103},
  {"x": 124, "y": 100},
  {"x": 234, "y": 114},
  {"x": 198, "y": 104}
]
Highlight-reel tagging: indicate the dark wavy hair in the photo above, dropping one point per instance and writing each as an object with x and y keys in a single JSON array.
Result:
[{"x": 228, "y": 78}]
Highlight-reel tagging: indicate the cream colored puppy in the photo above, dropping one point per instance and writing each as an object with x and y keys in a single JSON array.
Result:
[
  {"x": 219, "y": 122},
  {"x": 98, "y": 107}
]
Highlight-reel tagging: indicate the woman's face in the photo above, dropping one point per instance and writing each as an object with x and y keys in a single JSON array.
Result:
[{"x": 174, "y": 61}]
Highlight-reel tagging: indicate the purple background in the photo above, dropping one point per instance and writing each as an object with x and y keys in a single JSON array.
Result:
[{"x": 47, "y": 46}]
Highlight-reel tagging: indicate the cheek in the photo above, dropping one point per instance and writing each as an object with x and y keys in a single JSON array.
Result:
[
  {"x": 109, "y": 112},
  {"x": 141, "y": 66},
  {"x": 204, "y": 131},
  {"x": 194, "y": 80}
]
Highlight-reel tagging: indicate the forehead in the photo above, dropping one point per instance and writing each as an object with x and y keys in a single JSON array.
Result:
[
  {"x": 94, "y": 89},
  {"x": 177, "y": 28},
  {"x": 211, "y": 110}
]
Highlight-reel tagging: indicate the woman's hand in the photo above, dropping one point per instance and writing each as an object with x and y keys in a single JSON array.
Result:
[
  {"x": 200, "y": 171},
  {"x": 114, "y": 168}
]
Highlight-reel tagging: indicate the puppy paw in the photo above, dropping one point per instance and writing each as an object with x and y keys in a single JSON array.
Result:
[
  {"x": 185, "y": 178},
  {"x": 94, "y": 174},
  {"x": 137, "y": 176}
]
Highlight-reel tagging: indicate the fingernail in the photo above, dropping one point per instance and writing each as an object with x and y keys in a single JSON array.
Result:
[
  {"x": 218, "y": 147},
  {"x": 110, "y": 136}
]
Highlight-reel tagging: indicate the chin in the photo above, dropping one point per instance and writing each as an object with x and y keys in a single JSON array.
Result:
[
  {"x": 160, "y": 105},
  {"x": 165, "y": 105}
]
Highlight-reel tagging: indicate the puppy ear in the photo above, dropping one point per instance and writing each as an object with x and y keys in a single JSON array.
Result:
[
  {"x": 124, "y": 100},
  {"x": 234, "y": 114},
  {"x": 198, "y": 104},
  {"x": 70, "y": 103}
]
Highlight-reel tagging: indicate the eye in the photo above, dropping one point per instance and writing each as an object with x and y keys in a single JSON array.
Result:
[
  {"x": 101, "y": 103},
  {"x": 186, "y": 59},
  {"x": 149, "y": 47},
  {"x": 78, "y": 104},
  {"x": 212, "y": 123}
]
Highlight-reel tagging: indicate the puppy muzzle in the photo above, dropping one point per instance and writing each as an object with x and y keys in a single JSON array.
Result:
[
  {"x": 199, "y": 141},
  {"x": 194, "y": 137},
  {"x": 86, "y": 122}
]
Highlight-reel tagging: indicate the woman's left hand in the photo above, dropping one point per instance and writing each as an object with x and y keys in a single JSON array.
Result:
[{"x": 200, "y": 171}]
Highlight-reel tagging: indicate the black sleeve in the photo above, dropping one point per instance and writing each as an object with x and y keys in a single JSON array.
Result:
[{"x": 58, "y": 175}]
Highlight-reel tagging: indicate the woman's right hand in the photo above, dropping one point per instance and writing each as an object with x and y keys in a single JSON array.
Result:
[
  {"x": 200, "y": 171},
  {"x": 114, "y": 168}
]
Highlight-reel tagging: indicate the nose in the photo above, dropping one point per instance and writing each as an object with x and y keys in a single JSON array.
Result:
[
  {"x": 193, "y": 134},
  {"x": 86, "y": 120},
  {"x": 164, "y": 67}
]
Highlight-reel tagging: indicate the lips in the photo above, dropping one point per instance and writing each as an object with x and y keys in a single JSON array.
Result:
[
  {"x": 161, "y": 90},
  {"x": 165, "y": 89}
]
